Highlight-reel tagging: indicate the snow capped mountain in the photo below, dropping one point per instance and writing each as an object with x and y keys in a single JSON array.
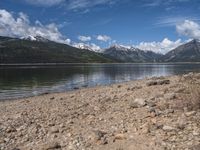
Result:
[
  {"x": 90, "y": 47},
  {"x": 130, "y": 54},
  {"x": 119, "y": 47},
  {"x": 36, "y": 38},
  {"x": 82, "y": 46}
]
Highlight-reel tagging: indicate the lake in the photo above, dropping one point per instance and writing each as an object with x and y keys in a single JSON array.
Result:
[{"x": 25, "y": 81}]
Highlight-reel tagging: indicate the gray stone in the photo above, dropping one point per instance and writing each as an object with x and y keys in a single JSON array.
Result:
[
  {"x": 157, "y": 82},
  {"x": 151, "y": 83},
  {"x": 51, "y": 146},
  {"x": 168, "y": 128},
  {"x": 169, "y": 111},
  {"x": 99, "y": 134},
  {"x": 170, "y": 96},
  {"x": 54, "y": 130},
  {"x": 151, "y": 104},
  {"x": 191, "y": 113},
  {"x": 137, "y": 103}
]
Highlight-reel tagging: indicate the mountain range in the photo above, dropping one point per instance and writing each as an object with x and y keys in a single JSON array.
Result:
[
  {"x": 41, "y": 50},
  {"x": 189, "y": 52},
  {"x": 131, "y": 54}
]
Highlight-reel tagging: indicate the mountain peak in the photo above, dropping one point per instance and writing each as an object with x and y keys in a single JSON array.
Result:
[
  {"x": 35, "y": 38},
  {"x": 120, "y": 47},
  {"x": 41, "y": 39},
  {"x": 188, "y": 52},
  {"x": 195, "y": 41},
  {"x": 91, "y": 47}
]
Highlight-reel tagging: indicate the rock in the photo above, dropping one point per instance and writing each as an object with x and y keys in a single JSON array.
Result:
[
  {"x": 133, "y": 105},
  {"x": 195, "y": 147},
  {"x": 10, "y": 129},
  {"x": 170, "y": 96},
  {"x": 54, "y": 130},
  {"x": 181, "y": 122},
  {"x": 138, "y": 102},
  {"x": 180, "y": 90},
  {"x": 51, "y": 146},
  {"x": 157, "y": 82},
  {"x": 104, "y": 141},
  {"x": 191, "y": 113},
  {"x": 145, "y": 130},
  {"x": 99, "y": 134},
  {"x": 168, "y": 128},
  {"x": 188, "y": 76},
  {"x": 136, "y": 87},
  {"x": 151, "y": 83},
  {"x": 52, "y": 98},
  {"x": 195, "y": 133},
  {"x": 158, "y": 113},
  {"x": 119, "y": 137},
  {"x": 76, "y": 88},
  {"x": 15, "y": 149},
  {"x": 162, "y": 82},
  {"x": 151, "y": 104},
  {"x": 2, "y": 141},
  {"x": 151, "y": 110},
  {"x": 169, "y": 111},
  {"x": 119, "y": 86}
]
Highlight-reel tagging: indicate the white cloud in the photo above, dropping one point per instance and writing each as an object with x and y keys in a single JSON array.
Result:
[
  {"x": 103, "y": 38},
  {"x": 72, "y": 4},
  {"x": 160, "y": 47},
  {"x": 173, "y": 21},
  {"x": 83, "y": 4},
  {"x": 84, "y": 38},
  {"x": 154, "y": 3},
  {"x": 21, "y": 27},
  {"x": 44, "y": 2},
  {"x": 189, "y": 28}
]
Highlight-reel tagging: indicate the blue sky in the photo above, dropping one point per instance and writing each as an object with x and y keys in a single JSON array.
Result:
[{"x": 157, "y": 25}]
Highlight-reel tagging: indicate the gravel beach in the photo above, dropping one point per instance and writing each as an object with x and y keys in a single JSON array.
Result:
[{"x": 159, "y": 113}]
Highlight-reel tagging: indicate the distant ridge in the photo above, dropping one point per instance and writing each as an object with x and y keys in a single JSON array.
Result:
[
  {"x": 131, "y": 54},
  {"x": 41, "y": 50},
  {"x": 189, "y": 52}
]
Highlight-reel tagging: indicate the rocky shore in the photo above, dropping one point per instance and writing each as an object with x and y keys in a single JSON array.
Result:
[{"x": 151, "y": 114}]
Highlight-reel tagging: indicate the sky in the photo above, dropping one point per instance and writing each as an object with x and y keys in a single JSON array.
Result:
[{"x": 157, "y": 25}]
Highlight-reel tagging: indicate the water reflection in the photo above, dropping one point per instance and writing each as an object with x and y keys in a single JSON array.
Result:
[{"x": 29, "y": 81}]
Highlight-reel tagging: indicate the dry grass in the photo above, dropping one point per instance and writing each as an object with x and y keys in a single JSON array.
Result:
[
  {"x": 194, "y": 97},
  {"x": 189, "y": 99}
]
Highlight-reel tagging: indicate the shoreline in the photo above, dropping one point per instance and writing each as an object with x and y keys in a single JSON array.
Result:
[
  {"x": 63, "y": 64},
  {"x": 153, "y": 113}
]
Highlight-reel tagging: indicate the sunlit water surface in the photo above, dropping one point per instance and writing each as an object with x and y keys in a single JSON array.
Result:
[{"x": 25, "y": 81}]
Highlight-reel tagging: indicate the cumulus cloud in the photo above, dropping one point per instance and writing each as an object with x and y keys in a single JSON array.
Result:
[
  {"x": 84, "y": 38},
  {"x": 103, "y": 38},
  {"x": 160, "y": 47},
  {"x": 44, "y": 2},
  {"x": 189, "y": 28},
  {"x": 21, "y": 27}
]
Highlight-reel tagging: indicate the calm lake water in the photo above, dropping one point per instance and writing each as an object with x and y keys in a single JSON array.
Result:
[{"x": 24, "y": 81}]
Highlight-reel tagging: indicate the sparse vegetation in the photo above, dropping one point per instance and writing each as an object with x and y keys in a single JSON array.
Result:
[
  {"x": 25, "y": 51},
  {"x": 189, "y": 96}
]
